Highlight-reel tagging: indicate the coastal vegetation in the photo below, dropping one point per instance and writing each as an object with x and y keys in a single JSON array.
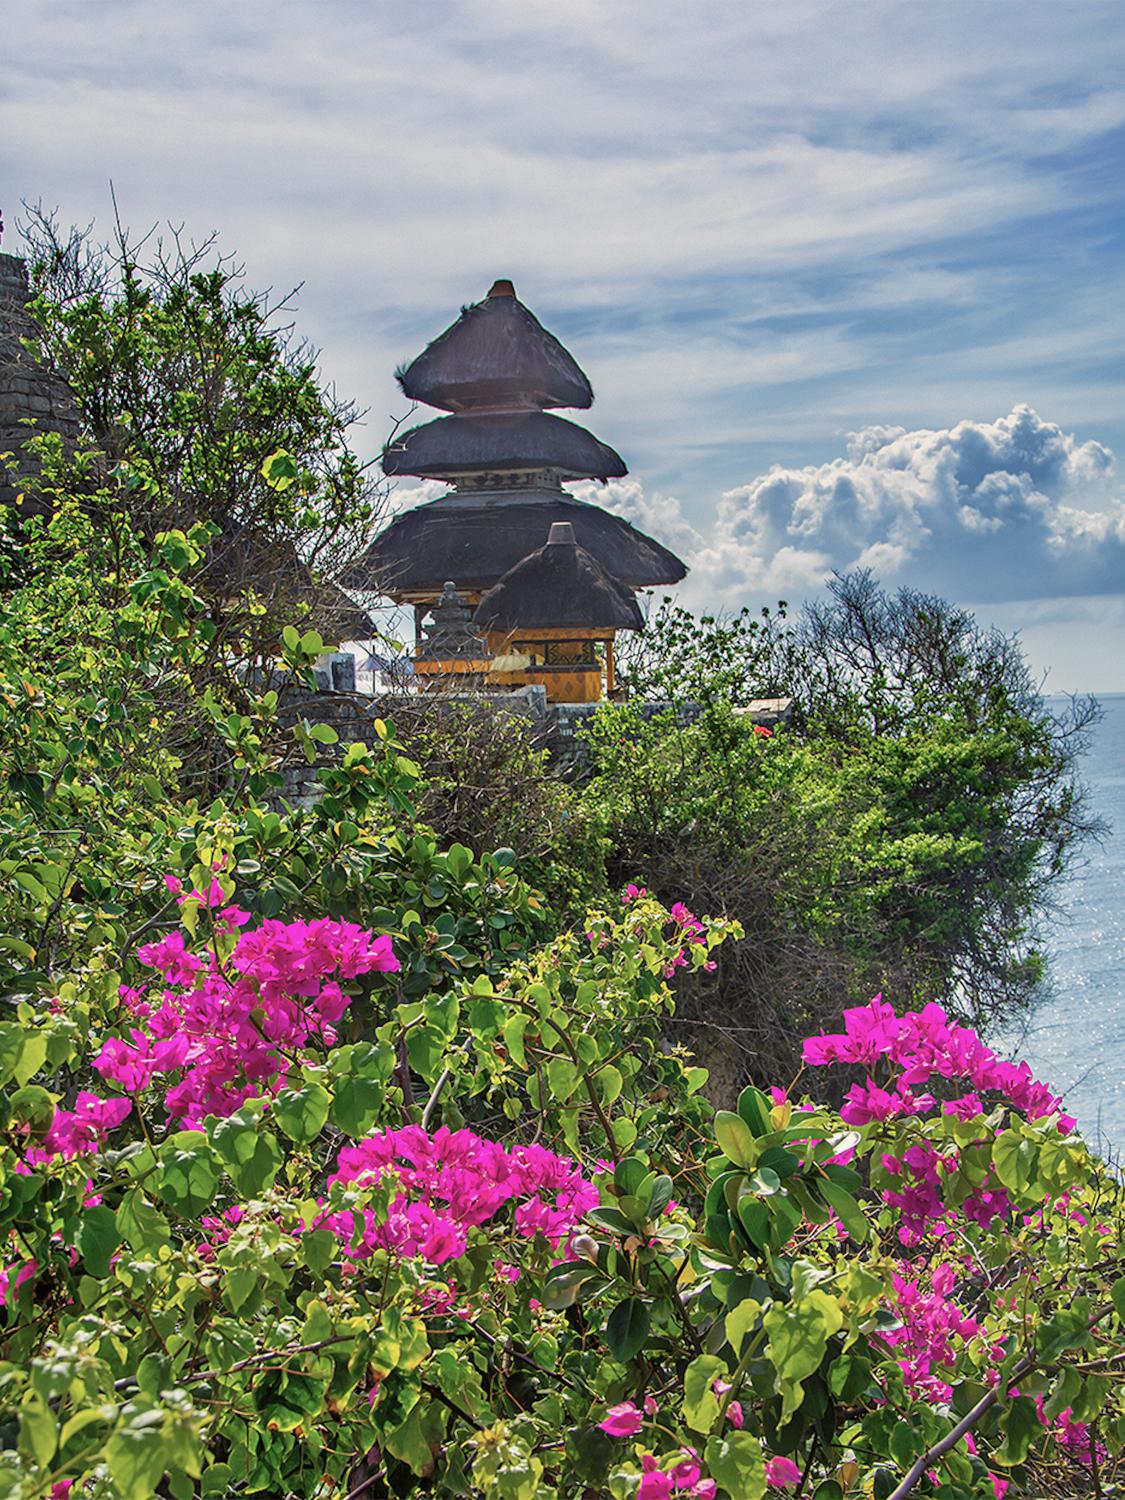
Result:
[{"x": 473, "y": 1130}]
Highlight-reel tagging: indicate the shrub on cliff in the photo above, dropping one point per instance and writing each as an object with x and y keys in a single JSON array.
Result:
[{"x": 905, "y": 831}]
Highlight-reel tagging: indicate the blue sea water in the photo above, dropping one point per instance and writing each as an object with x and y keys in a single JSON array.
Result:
[{"x": 1075, "y": 1040}]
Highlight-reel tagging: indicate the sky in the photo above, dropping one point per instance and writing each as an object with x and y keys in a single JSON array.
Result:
[{"x": 848, "y": 279}]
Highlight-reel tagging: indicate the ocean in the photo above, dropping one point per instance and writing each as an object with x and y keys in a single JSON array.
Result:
[{"x": 1075, "y": 1039}]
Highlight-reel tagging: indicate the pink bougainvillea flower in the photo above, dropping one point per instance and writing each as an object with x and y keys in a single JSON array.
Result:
[
  {"x": 686, "y": 1473},
  {"x": 449, "y": 1182},
  {"x": 13, "y": 1278},
  {"x": 782, "y": 1472},
  {"x": 80, "y": 1130},
  {"x": 230, "y": 1032},
  {"x": 655, "y": 1483},
  {"x": 622, "y": 1420}
]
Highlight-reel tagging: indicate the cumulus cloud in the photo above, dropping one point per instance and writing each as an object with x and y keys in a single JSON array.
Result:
[
  {"x": 658, "y": 514},
  {"x": 1000, "y": 510}
]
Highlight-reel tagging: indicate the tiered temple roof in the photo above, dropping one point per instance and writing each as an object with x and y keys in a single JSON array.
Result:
[
  {"x": 520, "y": 440},
  {"x": 558, "y": 586},
  {"x": 499, "y": 371},
  {"x": 497, "y": 355}
]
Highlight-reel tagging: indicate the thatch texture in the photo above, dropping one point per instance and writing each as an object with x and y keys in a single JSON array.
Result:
[
  {"x": 558, "y": 585},
  {"x": 529, "y": 440},
  {"x": 497, "y": 354},
  {"x": 474, "y": 538}
]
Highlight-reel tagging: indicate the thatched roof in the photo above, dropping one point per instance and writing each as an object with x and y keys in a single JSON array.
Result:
[
  {"x": 529, "y": 440},
  {"x": 559, "y": 584},
  {"x": 497, "y": 354},
  {"x": 475, "y": 537}
]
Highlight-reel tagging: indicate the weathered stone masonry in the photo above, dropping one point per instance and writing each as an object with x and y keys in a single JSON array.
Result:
[{"x": 28, "y": 388}]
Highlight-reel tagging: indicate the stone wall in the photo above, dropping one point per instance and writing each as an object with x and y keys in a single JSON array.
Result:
[{"x": 28, "y": 389}]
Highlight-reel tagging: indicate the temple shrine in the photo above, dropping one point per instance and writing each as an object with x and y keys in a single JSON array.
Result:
[{"x": 520, "y": 580}]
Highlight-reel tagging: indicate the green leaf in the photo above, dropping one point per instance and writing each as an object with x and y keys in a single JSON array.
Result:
[
  {"x": 562, "y": 1077},
  {"x": 735, "y": 1462},
  {"x": 848, "y": 1211},
  {"x": 798, "y": 1336},
  {"x": 905, "y": 1443},
  {"x": 135, "y": 1453},
  {"x": 778, "y": 1160},
  {"x": 87, "y": 1417},
  {"x": 34, "y": 1107},
  {"x": 754, "y": 1109},
  {"x": 217, "y": 1480},
  {"x": 701, "y": 1405},
  {"x": 302, "y": 1113},
  {"x": 39, "y": 1431},
  {"x": 627, "y": 1328},
  {"x": 141, "y": 1224},
  {"x": 662, "y": 1190},
  {"x": 458, "y": 861},
  {"x": 98, "y": 1237},
  {"x": 564, "y": 1284},
  {"x": 356, "y": 1105},
  {"x": 1019, "y": 1425},
  {"x": 317, "y": 1247},
  {"x": 250, "y": 1153},
  {"x": 610, "y": 1083},
  {"x": 613, "y": 1219},
  {"x": 1068, "y": 1328},
  {"x": 239, "y": 1285},
  {"x": 739, "y": 1322},
  {"x": 628, "y": 1175},
  {"x": 735, "y": 1138},
  {"x": 153, "y": 1374},
  {"x": 280, "y": 470},
  {"x": 415, "y": 1441},
  {"x": 755, "y": 1220},
  {"x": 1016, "y": 1160},
  {"x": 188, "y": 1177}
]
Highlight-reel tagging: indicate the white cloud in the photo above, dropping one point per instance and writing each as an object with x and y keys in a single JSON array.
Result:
[
  {"x": 659, "y": 515},
  {"x": 1009, "y": 509}
]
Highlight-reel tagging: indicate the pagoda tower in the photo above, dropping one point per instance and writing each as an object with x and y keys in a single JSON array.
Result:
[{"x": 499, "y": 374}]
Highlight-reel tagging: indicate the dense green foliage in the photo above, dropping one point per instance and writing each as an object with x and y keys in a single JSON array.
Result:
[
  {"x": 352, "y": 1150},
  {"x": 195, "y": 396}
]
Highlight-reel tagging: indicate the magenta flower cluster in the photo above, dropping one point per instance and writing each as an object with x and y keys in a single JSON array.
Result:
[
  {"x": 682, "y": 1475},
  {"x": 78, "y": 1131},
  {"x": 450, "y": 1182},
  {"x": 221, "y": 1033},
  {"x": 932, "y": 1328},
  {"x": 684, "y": 923},
  {"x": 924, "y": 1045}
]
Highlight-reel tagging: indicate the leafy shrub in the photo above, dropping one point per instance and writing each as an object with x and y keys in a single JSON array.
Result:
[
  {"x": 905, "y": 831},
  {"x": 244, "y": 1256}
]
